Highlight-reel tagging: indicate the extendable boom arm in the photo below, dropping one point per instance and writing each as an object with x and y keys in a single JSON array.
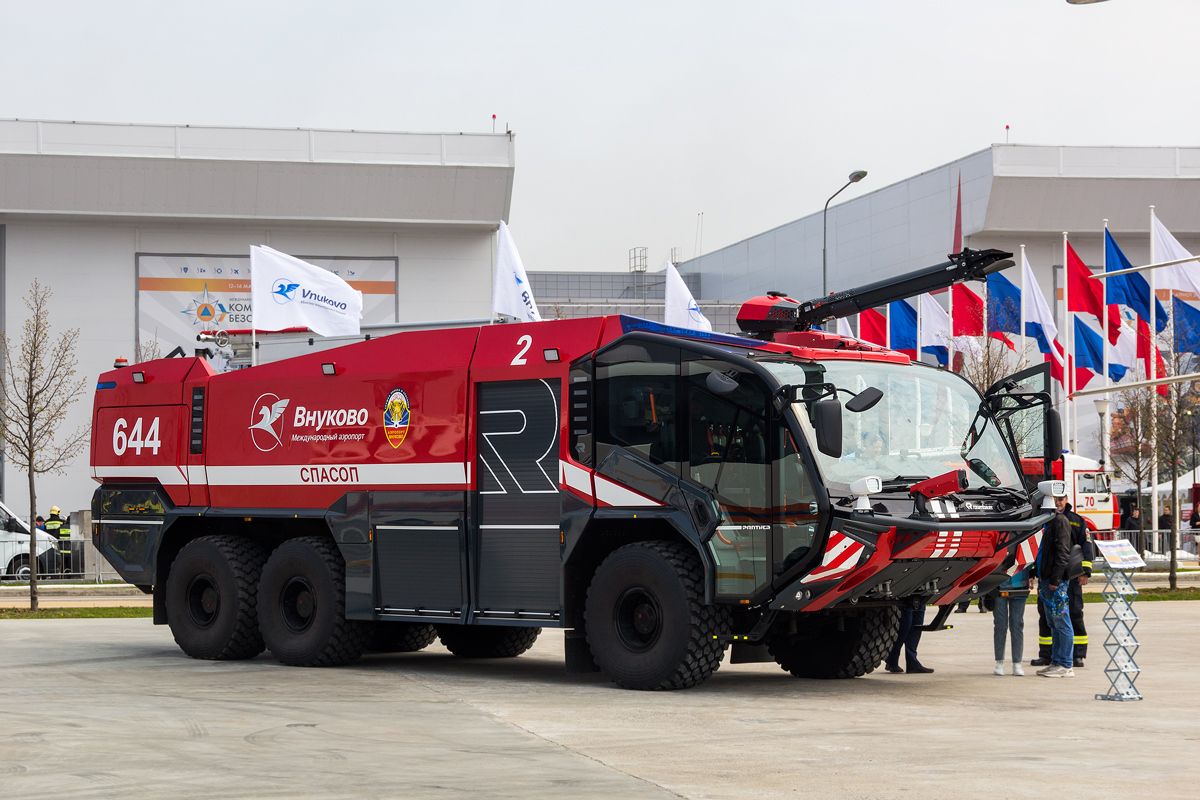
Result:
[{"x": 969, "y": 265}]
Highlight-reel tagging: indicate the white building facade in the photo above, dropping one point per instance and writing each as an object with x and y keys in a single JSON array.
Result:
[{"x": 142, "y": 233}]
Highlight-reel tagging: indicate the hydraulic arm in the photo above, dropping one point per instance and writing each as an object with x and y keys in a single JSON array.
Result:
[{"x": 779, "y": 313}]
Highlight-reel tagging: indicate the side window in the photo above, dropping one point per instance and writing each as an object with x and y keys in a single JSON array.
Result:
[
  {"x": 1085, "y": 482},
  {"x": 636, "y": 403}
]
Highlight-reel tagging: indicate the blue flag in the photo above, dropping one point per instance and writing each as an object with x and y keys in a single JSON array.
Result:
[
  {"x": 1003, "y": 304},
  {"x": 1187, "y": 327},
  {"x": 903, "y": 319},
  {"x": 1089, "y": 352},
  {"x": 1131, "y": 290}
]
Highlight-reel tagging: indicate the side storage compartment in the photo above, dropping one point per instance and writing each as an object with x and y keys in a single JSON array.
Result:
[
  {"x": 420, "y": 554},
  {"x": 127, "y": 529}
]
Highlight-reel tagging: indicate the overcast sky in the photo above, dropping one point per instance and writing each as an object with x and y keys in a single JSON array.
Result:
[{"x": 632, "y": 117}]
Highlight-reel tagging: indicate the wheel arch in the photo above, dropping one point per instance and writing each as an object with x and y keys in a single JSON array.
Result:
[{"x": 607, "y": 532}]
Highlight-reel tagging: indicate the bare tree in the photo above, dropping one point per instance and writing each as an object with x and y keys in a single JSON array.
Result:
[
  {"x": 1173, "y": 423},
  {"x": 984, "y": 360},
  {"x": 147, "y": 351},
  {"x": 39, "y": 384},
  {"x": 1130, "y": 449}
]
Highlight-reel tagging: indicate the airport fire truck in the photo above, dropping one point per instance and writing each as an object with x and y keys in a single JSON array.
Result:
[{"x": 659, "y": 493}]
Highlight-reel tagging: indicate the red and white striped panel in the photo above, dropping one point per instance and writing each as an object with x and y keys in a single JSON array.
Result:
[
  {"x": 1026, "y": 553},
  {"x": 947, "y": 543},
  {"x": 841, "y": 556}
]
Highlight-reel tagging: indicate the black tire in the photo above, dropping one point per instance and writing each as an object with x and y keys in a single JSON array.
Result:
[
  {"x": 18, "y": 568},
  {"x": 302, "y": 606},
  {"x": 210, "y": 598},
  {"x": 399, "y": 637},
  {"x": 647, "y": 624},
  {"x": 487, "y": 641},
  {"x": 820, "y": 650}
]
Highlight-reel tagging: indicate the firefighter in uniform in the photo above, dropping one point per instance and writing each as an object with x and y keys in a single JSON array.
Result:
[
  {"x": 1079, "y": 536},
  {"x": 59, "y": 528}
]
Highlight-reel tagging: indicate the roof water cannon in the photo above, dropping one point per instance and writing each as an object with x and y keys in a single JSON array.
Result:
[
  {"x": 932, "y": 488},
  {"x": 763, "y": 317}
]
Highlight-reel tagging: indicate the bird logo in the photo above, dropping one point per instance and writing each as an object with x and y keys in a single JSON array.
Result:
[
  {"x": 282, "y": 290},
  {"x": 270, "y": 411}
]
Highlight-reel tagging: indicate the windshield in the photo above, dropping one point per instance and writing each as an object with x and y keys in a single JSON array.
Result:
[{"x": 929, "y": 422}]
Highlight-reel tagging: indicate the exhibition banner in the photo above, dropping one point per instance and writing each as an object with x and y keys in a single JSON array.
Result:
[{"x": 180, "y": 296}]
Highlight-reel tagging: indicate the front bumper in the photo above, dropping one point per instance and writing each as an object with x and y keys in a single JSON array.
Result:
[{"x": 938, "y": 562}]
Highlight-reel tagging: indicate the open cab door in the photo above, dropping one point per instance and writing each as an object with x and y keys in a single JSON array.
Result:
[{"x": 1023, "y": 409}]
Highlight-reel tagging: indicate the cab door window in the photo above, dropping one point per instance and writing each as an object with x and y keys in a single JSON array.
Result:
[
  {"x": 636, "y": 402},
  {"x": 796, "y": 516},
  {"x": 727, "y": 453}
]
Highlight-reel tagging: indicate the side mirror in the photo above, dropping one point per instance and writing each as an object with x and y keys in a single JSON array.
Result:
[
  {"x": 720, "y": 383},
  {"x": 864, "y": 400},
  {"x": 12, "y": 526},
  {"x": 1054, "y": 442},
  {"x": 827, "y": 422}
]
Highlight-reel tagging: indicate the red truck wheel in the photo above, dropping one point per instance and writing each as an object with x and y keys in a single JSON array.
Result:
[
  {"x": 302, "y": 606},
  {"x": 210, "y": 598},
  {"x": 647, "y": 624}
]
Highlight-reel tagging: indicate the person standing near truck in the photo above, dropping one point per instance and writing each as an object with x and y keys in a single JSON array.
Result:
[
  {"x": 1008, "y": 619},
  {"x": 59, "y": 528},
  {"x": 1079, "y": 536},
  {"x": 1052, "y": 562}
]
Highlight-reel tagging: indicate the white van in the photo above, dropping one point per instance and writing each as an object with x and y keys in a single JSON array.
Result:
[{"x": 14, "y": 547}]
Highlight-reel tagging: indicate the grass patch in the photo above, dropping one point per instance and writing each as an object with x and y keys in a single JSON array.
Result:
[
  {"x": 1151, "y": 593},
  {"x": 115, "y": 612}
]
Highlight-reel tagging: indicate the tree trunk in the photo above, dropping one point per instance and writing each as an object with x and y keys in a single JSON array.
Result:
[
  {"x": 33, "y": 545},
  {"x": 1174, "y": 526}
]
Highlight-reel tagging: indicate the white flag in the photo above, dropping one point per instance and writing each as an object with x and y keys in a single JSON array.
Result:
[
  {"x": 844, "y": 329},
  {"x": 286, "y": 292},
  {"x": 511, "y": 293},
  {"x": 935, "y": 325},
  {"x": 1124, "y": 352},
  {"x": 1179, "y": 277},
  {"x": 681, "y": 309}
]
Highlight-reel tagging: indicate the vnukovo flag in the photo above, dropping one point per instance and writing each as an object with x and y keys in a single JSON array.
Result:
[
  {"x": 681, "y": 310},
  {"x": 511, "y": 294},
  {"x": 286, "y": 292}
]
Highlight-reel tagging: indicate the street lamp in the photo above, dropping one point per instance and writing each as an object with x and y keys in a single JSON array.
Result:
[
  {"x": 855, "y": 177},
  {"x": 1102, "y": 409}
]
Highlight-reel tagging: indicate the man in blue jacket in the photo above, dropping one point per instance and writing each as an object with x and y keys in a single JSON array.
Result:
[{"x": 1052, "y": 563}]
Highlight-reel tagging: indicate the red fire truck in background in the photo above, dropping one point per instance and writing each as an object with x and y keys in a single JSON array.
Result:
[
  {"x": 1089, "y": 490},
  {"x": 659, "y": 493}
]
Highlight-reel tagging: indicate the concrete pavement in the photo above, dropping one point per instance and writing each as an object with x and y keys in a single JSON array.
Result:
[{"x": 111, "y": 708}]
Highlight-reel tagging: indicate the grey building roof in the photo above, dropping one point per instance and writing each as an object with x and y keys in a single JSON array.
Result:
[
  {"x": 309, "y": 175},
  {"x": 1011, "y": 194}
]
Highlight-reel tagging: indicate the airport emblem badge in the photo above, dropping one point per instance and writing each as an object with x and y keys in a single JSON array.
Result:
[{"x": 395, "y": 417}]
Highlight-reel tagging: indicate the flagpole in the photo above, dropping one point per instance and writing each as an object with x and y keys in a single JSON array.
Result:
[
  {"x": 887, "y": 327},
  {"x": 918, "y": 327},
  {"x": 1152, "y": 373},
  {"x": 950, "y": 338},
  {"x": 1021, "y": 316},
  {"x": 1104, "y": 345},
  {"x": 1068, "y": 371},
  {"x": 253, "y": 346}
]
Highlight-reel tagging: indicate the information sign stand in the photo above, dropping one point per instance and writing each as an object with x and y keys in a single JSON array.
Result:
[{"x": 1120, "y": 561}]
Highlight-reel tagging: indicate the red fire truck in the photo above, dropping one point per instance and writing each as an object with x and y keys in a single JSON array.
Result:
[
  {"x": 659, "y": 493},
  {"x": 1089, "y": 490}
]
